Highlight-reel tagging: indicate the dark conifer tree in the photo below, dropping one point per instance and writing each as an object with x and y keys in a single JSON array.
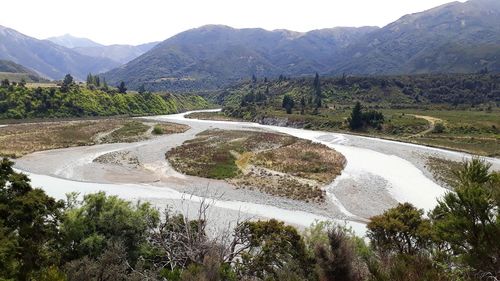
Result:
[
  {"x": 121, "y": 88},
  {"x": 356, "y": 118}
]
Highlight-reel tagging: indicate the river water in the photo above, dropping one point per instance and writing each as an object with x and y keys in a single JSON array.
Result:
[{"x": 373, "y": 167}]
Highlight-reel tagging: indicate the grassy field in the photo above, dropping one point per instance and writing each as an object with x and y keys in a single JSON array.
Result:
[
  {"x": 17, "y": 140},
  {"x": 273, "y": 163},
  {"x": 476, "y": 132}
]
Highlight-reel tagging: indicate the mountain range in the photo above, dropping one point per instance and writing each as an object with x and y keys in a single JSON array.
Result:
[
  {"x": 57, "y": 56},
  {"x": 47, "y": 58},
  {"x": 119, "y": 53},
  {"x": 452, "y": 38}
]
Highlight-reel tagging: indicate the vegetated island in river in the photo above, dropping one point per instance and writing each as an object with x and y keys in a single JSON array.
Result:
[{"x": 277, "y": 164}]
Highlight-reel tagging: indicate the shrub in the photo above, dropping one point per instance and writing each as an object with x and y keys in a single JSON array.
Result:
[
  {"x": 439, "y": 128},
  {"x": 158, "y": 130}
]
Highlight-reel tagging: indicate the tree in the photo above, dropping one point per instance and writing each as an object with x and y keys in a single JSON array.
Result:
[
  {"x": 248, "y": 98},
  {"x": 373, "y": 118},
  {"x": 104, "y": 84},
  {"x": 29, "y": 222},
  {"x": 356, "y": 118},
  {"x": 89, "y": 225},
  {"x": 110, "y": 265},
  {"x": 343, "y": 80},
  {"x": 317, "y": 92},
  {"x": 401, "y": 230},
  {"x": 467, "y": 220},
  {"x": 121, "y": 88},
  {"x": 5, "y": 83},
  {"x": 141, "y": 89},
  {"x": 336, "y": 262},
  {"x": 90, "y": 80},
  {"x": 288, "y": 104},
  {"x": 302, "y": 105},
  {"x": 67, "y": 83},
  {"x": 269, "y": 248}
]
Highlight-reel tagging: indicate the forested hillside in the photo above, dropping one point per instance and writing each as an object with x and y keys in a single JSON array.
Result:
[
  {"x": 18, "y": 101},
  {"x": 395, "y": 91}
]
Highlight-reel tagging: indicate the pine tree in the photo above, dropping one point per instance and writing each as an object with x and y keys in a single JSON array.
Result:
[
  {"x": 121, "y": 88},
  {"x": 356, "y": 118},
  {"x": 5, "y": 83},
  {"x": 302, "y": 105},
  {"x": 288, "y": 104},
  {"x": 104, "y": 84},
  {"x": 89, "y": 79},
  {"x": 317, "y": 93},
  {"x": 141, "y": 89},
  {"x": 67, "y": 82}
]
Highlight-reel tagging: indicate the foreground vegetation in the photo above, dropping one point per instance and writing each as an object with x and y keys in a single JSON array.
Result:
[
  {"x": 458, "y": 112},
  {"x": 277, "y": 164},
  {"x": 17, "y": 140},
  {"x": 71, "y": 100},
  {"x": 103, "y": 237}
]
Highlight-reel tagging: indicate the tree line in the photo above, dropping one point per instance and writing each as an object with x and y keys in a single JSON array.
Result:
[{"x": 100, "y": 237}]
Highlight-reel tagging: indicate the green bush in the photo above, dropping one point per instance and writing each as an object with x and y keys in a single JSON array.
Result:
[
  {"x": 158, "y": 130},
  {"x": 439, "y": 128}
]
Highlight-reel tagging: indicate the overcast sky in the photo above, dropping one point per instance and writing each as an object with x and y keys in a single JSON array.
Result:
[{"x": 141, "y": 21}]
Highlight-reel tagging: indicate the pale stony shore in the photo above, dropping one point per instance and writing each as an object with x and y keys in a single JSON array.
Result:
[{"x": 378, "y": 175}]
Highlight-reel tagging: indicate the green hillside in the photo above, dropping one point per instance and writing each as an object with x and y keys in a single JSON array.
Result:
[
  {"x": 18, "y": 102},
  {"x": 15, "y": 73}
]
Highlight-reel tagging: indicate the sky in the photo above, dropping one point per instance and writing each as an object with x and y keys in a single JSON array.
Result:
[{"x": 135, "y": 22}]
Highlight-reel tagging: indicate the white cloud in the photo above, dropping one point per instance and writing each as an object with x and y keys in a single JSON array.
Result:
[{"x": 135, "y": 22}]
